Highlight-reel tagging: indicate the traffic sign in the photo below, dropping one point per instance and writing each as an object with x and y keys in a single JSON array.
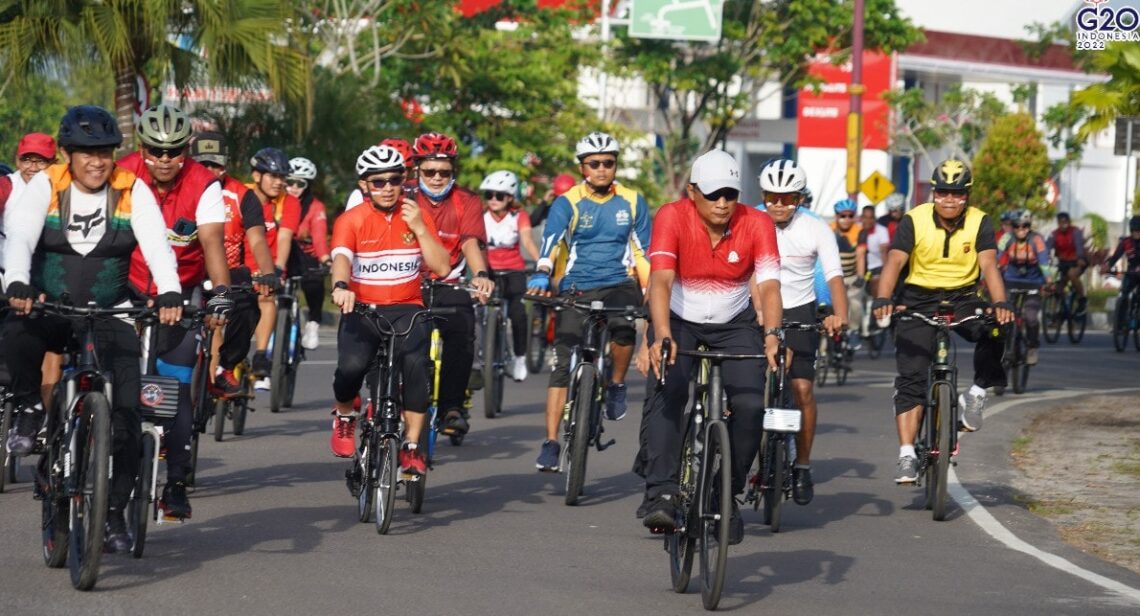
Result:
[
  {"x": 683, "y": 20},
  {"x": 1052, "y": 193},
  {"x": 877, "y": 187}
]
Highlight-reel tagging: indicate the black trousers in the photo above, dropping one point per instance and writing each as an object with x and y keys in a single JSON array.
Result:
[
  {"x": 240, "y": 323},
  {"x": 357, "y": 342},
  {"x": 458, "y": 334},
  {"x": 513, "y": 287}
]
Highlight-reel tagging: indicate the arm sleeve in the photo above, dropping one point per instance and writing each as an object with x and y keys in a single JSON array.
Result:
[
  {"x": 211, "y": 207},
  {"x": 24, "y": 222},
  {"x": 344, "y": 237},
  {"x": 150, "y": 232},
  {"x": 664, "y": 240},
  {"x": 557, "y": 222},
  {"x": 986, "y": 239},
  {"x": 252, "y": 213},
  {"x": 319, "y": 228},
  {"x": 904, "y": 236},
  {"x": 766, "y": 262}
]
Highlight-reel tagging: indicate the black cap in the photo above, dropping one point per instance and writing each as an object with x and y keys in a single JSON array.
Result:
[{"x": 209, "y": 147}]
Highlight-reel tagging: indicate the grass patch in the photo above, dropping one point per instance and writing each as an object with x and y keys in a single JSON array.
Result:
[
  {"x": 1050, "y": 509},
  {"x": 1020, "y": 445},
  {"x": 1130, "y": 468}
]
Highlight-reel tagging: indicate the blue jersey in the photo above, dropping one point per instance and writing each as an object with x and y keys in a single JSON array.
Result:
[
  {"x": 822, "y": 292},
  {"x": 607, "y": 239}
]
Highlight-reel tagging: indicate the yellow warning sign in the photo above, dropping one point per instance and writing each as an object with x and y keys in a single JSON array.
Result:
[{"x": 877, "y": 187}]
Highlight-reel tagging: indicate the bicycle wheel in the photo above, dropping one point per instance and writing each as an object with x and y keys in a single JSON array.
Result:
[
  {"x": 140, "y": 509},
  {"x": 579, "y": 435},
  {"x": 53, "y": 512},
  {"x": 536, "y": 342},
  {"x": 1019, "y": 370},
  {"x": 240, "y": 410},
  {"x": 876, "y": 342},
  {"x": 941, "y": 417},
  {"x": 1051, "y": 318},
  {"x": 821, "y": 365},
  {"x": 364, "y": 473},
  {"x": 776, "y": 461},
  {"x": 91, "y": 444},
  {"x": 1077, "y": 325},
  {"x": 191, "y": 476},
  {"x": 492, "y": 374},
  {"x": 681, "y": 542},
  {"x": 290, "y": 384},
  {"x": 7, "y": 469},
  {"x": 842, "y": 369},
  {"x": 715, "y": 509},
  {"x": 277, "y": 368},
  {"x": 386, "y": 482}
]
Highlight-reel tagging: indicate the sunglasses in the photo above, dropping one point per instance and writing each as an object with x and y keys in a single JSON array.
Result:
[
  {"x": 1022, "y": 226},
  {"x": 158, "y": 152},
  {"x": 728, "y": 194},
  {"x": 297, "y": 183},
  {"x": 785, "y": 199},
  {"x": 395, "y": 180},
  {"x": 845, "y": 216},
  {"x": 34, "y": 160},
  {"x": 950, "y": 195},
  {"x": 431, "y": 173},
  {"x": 495, "y": 196},
  {"x": 594, "y": 164}
]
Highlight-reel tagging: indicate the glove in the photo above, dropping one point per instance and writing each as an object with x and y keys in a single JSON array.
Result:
[
  {"x": 859, "y": 282},
  {"x": 219, "y": 305},
  {"x": 880, "y": 302},
  {"x": 1006, "y": 305},
  {"x": 270, "y": 281},
  {"x": 539, "y": 281},
  {"x": 21, "y": 290},
  {"x": 170, "y": 299},
  {"x": 280, "y": 273}
]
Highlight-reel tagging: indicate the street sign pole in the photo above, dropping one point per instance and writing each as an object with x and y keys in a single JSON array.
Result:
[
  {"x": 1128, "y": 170},
  {"x": 855, "y": 113}
]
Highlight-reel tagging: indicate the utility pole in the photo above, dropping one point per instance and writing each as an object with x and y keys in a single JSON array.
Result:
[{"x": 855, "y": 113}]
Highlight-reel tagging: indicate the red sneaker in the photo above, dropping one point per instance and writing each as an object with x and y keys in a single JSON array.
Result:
[
  {"x": 343, "y": 441},
  {"x": 412, "y": 461},
  {"x": 225, "y": 384}
]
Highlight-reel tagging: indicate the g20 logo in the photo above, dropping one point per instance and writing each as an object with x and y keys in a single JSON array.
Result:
[{"x": 1106, "y": 19}]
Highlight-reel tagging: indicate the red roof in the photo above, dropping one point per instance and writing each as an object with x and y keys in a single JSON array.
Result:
[{"x": 990, "y": 50}]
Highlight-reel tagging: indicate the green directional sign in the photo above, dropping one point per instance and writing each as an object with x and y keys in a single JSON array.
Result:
[{"x": 683, "y": 20}]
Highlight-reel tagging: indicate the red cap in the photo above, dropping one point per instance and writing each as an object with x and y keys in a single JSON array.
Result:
[
  {"x": 37, "y": 143},
  {"x": 563, "y": 182}
]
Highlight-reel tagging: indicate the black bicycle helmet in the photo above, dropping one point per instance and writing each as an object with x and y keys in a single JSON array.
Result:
[
  {"x": 951, "y": 174},
  {"x": 5, "y": 169},
  {"x": 270, "y": 160},
  {"x": 1134, "y": 223},
  {"x": 88, "y": 126}
]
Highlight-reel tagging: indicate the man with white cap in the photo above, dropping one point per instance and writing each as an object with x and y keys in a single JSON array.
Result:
[{"x": 708, "y": 255}]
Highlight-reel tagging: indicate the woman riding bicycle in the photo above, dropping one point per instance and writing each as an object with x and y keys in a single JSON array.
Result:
[
  {"x": 1024, "y": 263},
  {"x": 313, "y": 243},
  {"x": 508, "y": 231}
]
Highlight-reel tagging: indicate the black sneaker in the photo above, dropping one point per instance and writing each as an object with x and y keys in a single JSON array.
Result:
[
  {"x": 455, "y": 424},
  {"x": 803, "y": 488},
  {"x": 174, "y": 503},
  {"x": 117, "y": 539},
  {"x": 643, "y": 508},
  {"x": 260, "y": 366},
  {"x": 661, "y": 516}
]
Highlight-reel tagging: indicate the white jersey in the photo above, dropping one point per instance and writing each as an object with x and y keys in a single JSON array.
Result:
[
  {"x": 876, "y": 239},
  {"x": 804, "y": 240}
]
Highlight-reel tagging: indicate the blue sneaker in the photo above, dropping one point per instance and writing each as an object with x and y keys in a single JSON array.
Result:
[
  {"x": 615, "y": 402},
  {"x": 548, "y": 457}
]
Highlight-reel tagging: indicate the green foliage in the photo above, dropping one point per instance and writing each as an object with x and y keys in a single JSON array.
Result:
[
  {"x": 29, "y": 110},
  {"x": 957, "y": 120},
  {"x": 1011, "y": 167},
  {"x": 1098, "y": 232}
]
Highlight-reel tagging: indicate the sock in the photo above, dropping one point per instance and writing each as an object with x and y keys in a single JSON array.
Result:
[
  {"x": 906, "y": 451},
  {"x": 412, "y": 446},
  {"x": 978, "y": 392}
]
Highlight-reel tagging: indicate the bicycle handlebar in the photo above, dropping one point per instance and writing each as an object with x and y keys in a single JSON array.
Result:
[
  {"x": 941, "y": 322},
  {"x": 372, "y": 310},
  {"x": 595, "y": 307}
]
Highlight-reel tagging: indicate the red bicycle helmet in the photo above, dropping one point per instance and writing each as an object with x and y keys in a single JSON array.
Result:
[
  {"x": 434, "y": 145},
  {"x": 562, "y": 183},
  {"x": 403, "y": 147}
]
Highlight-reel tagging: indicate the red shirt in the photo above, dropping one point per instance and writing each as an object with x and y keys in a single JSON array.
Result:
[
  {"x": 503, "y": 254},
  {"x": 313, "y": 232},
  {"x": 457, "y": 218},
  {"x": 711, "y": 283},
  {"x": 386, "y": 256},
  {"x": 284, "y": 212}
]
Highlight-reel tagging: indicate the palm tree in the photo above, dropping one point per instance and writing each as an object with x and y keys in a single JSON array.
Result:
[
  {"x": 236, "y": 42},
  {"x": 1119, "y": 96}
]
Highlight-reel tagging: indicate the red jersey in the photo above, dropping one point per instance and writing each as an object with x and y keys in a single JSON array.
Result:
[
  {"x": 1068, "y": 245},
  {"x": 711, "y": 283},
  {"x": 284, "y": 212},
  {"x": 457, "y": 218},
  {"x": 503, "y": 254},
  {"x": 232, "y": 193},
  {"x": 179, "y": 207},
  {"x": 313, "y": 232},
  {"x": 386, "y": 256}
]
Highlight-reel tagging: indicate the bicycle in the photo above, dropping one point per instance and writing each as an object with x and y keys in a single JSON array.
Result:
[
  {"x": 73, "y": 473},
  {"x": 497, "y": 351},
  {"x": 770, "y": 483},
  {"x": 428, "y": 288},
  {"x": 285, "y": 348},
  {"x": 586, "y": 395},
  {"x": 374, "y": 476},
  {"x": 9, "y": 464},
  {"x": 1060, "y": 308},
  {"x": 936, "y": 446},
  {"x": 1127, "y": 320},
  {"x": 836, "y": 358},
  {"x": 1017, "y": 345}
]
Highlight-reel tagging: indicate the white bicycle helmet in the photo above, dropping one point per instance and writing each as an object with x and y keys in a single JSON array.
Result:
[
  {"x": 783, "y": 176},
  {"x": 596, "y": 143},
  {"x": 896, "y": 201},
  {"x": 379, "y": 158},
  {"x": 302, "y": 168},
  {"x": 501, "y": 181}
]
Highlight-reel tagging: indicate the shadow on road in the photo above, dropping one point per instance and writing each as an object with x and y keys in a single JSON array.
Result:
[{"x": 752, "y": 578}]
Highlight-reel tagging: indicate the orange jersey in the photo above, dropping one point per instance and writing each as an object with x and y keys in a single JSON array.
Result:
[{"x": 385, "y": 254}]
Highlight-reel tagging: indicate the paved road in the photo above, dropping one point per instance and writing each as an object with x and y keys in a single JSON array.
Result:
[{"x": 274, "y": 528}]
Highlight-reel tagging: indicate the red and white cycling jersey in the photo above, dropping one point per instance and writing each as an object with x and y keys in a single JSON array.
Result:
[
  {"x": 386, "y": 256},
  {"x": 503, "y": 252}
]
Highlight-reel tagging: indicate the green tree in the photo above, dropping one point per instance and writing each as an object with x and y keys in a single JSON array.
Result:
[
  {"x": 243, "y": 42},
  {"x": 1011, "y": 167},
  {"x": 957, "y": 120}
]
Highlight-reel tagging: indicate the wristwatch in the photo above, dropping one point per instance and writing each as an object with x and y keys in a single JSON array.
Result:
[
  {"x": 482, "y": 274},
  {"x": 775, "y": 331},
  {"x": 340, "y": 284}
]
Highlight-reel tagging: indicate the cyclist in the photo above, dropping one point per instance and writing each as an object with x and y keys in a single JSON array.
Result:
[
  {"x": 896, "y": 208},
  {"x": 1067, "y": 243},
  {"x": 282, "y": 214},
  {"x": 1005, "y": 233},
  {"x": 1129, "y": 249},
  {"x": 948, "y": 245},
  {"x": 807, "y": 246},
  {"x": 33, "y": 154},
  {"x": 561, "y": 183},
  {"x": 508, "y": 237},
  {"x": 702, "y": 296},
  {"x": 378, "y": 251},
  {"x": 853, "y": 258},
  {"x": 604, "y": 228},
  {"x": 355, "y": 197},
  {"x": 190, "y": 198},
  {"x": 458, "y": 218},
  {"x": 70, "y": 238},
  {"x": 312, "y": 249},
  {"x": 243, "y": 232},
  {"x": 1024, "y": 262},
  {"x": 877, "y": 241}
]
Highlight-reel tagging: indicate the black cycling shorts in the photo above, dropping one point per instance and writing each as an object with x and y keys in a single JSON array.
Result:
[{"x": 803, "y": 344}]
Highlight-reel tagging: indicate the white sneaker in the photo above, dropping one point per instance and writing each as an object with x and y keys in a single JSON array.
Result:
[
  {"x": 310, "y": 338},
  {"x": 263, "y": 384},
  {"x": 518, "y": 368}
]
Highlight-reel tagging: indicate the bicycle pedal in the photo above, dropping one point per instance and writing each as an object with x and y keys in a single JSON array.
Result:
[
  {"x": 170, "y": 519},
  {"x": 410, "y": 478}
]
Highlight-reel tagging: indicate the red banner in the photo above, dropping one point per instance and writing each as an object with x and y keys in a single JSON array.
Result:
[{"x": 821, "y": 119}]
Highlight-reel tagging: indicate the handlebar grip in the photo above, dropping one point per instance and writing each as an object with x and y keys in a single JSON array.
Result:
[
  {"x": 443, "y": 311},
  {"x": 666, "y": 353}
]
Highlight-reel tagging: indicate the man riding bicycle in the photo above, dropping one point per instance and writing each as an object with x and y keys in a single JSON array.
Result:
[
  {"x": 853, "y": 258},
  {"x": 378, "y": 251},
  {"x": 1129, "y": 249},
  {"x": 711, "y": 297},
  {"x": 1067, "y": 244},
  {"x": 1024, "y": 263},
  {"x": 602, "y": 229},
  {"x": 948, "y": 246}
]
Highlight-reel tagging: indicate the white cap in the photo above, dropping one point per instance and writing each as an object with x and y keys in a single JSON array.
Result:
[{"x": 714, "y": 170}]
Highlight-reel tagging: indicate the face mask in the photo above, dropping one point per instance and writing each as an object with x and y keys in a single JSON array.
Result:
[{"x": 441, "y": 195}]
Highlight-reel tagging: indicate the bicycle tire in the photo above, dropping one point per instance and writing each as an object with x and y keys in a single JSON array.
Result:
[
  {"x": 1051, "y": 318},
  {"x": 221, "y": 409},
  {"x": 365, "y": 465},
  {"x": 942, "y": 416},
  {"x": 492, "y": 381},
  {"x": 387, "y": 476},
  {"x": 6, "y": 467},
  {"x": 1077, "y": 326},
  {"x": 841, "y": 375},
  {"x": 277, "y": 366},
  {"x": 1020, "y": 369},
  {"x": 876, "y": 342},
  {"x": 140, "y": 510},
  {"x": 1120, "y": 332},
  {"x": 53, "y": 512},
  {"x": 536, "y": 341},
  {"x": 777, "y": 461},
  {"x": 821, "y": 368},
  {"x": 715, "y": 509},
  {"x": 88, "y": 511},
  {"x": 579, "y": 434},
  {"x": 681, "y": 543},
  {"x": 191, "y": 475},
  {"x": 290, "y": 385},
  {"x": 241, "y": 412}
]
